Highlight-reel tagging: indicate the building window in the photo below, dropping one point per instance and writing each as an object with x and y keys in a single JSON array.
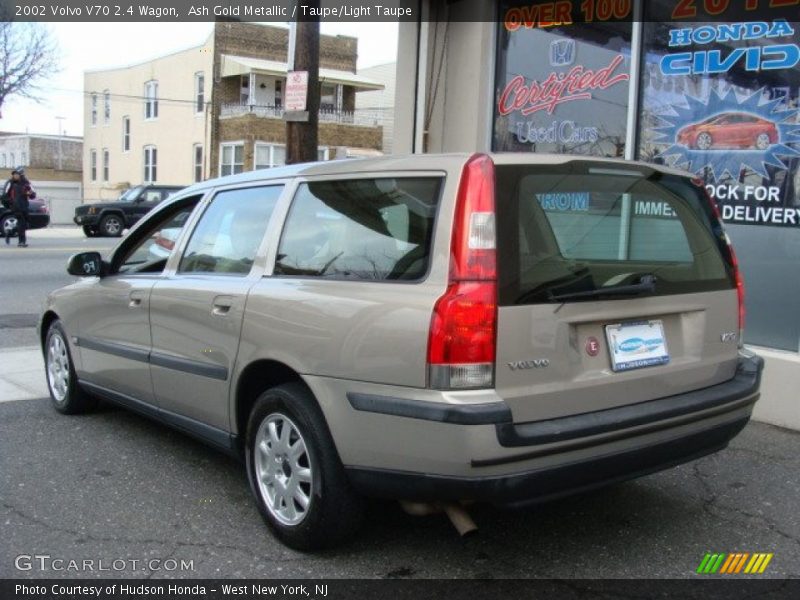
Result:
[
  {"x": 197, "y": 155},
  {"x": 105, "y": 164},
  {"x": 93, "y": 165},
  {"x": 269, "y": 155},
  {"x": 106, "y": 107},
  {"x": 94, "y": 110},
  {"x": 329, "y": 97},
  {"x": 151, "y": 100},
  {"x": 3, "y": 160},
  {"x": 231, "y": 158},
  {"x": 278, "y": 93},
  {"x": 126, "y": 134},
  {"x": 150, "y": 164},
  {"x": 199, "y": 91},
  {"x": 23, "y": 159},
  {"x": 323, "y": 154},
  {"x": 13, "y": 160}
]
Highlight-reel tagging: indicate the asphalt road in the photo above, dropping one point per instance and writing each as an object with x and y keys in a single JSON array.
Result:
[
  {"x": 28, "y": 274},
  {"x": 113, "y": 486}
]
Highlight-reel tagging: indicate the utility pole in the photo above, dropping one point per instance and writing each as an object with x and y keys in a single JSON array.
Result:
[
  {"x": 302, "y": 129},
  {"x": 60, "y": 123}
]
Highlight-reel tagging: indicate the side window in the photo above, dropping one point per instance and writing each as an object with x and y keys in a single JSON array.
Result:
[
  {"x": 364, "y": 229},
  {"x": 152, "y": 196},
  {"x": 152, "y": 247},
  {"x": 230, "y": 231}
]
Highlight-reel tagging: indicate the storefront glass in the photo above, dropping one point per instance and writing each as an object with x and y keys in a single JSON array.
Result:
[
  {"x": 720, "y": 99},
  {"x": 562, "y": 88}
]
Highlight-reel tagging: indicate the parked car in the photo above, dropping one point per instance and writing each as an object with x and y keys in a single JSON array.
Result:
[
  {"x": 38, "y": 217},
  {"x": 427, "y": 328},
  {"x": 730, "y": 130},
  {"x": 112, "y": 218}
]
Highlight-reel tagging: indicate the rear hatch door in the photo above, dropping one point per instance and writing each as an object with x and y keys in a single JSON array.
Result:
[{"x": 616, "y": 286}]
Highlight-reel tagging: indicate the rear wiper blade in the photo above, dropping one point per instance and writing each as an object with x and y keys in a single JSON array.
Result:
[{"x": 647, "y": 284}]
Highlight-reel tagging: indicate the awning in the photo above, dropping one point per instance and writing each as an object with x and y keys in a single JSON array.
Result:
[{"x": 242, "y": 65}]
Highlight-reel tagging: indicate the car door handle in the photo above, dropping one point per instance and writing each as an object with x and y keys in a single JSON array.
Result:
[
  {"x": 222, "y": 305},
  {"x": 135, "y": 299}
]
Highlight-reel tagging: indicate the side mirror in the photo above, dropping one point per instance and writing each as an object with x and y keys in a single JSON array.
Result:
[{"x": 86, "y": 264}]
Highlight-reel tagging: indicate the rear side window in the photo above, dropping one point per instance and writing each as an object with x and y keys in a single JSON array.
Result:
[
  {"x": 227, "y": 237},
  {"x": 580, "y": 228},
  {"x": 360, "y": 229}
]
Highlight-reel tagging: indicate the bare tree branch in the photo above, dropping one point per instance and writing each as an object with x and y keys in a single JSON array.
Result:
[{"x": 29, "y": 56}]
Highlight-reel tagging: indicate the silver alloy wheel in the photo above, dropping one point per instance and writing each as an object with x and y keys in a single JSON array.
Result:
[
  {"x": 283, "y": 469},
  {"x": 10, "y": 225},
  {"x": 704, "y": 141},
  {"x": 762, "y": 141},
  {"x": 58, "y": 367},
  {"x": 112, "y": 225}
]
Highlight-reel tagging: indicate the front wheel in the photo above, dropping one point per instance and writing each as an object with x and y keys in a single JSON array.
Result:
[
  {"x": 112, "y": 225},
  {"x": 295, "y": 473},
  {"x": 763, "y": 141},
  {"x": 67, "y": 396}
]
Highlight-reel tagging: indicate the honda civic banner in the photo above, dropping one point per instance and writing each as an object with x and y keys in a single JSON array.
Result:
[{"x": 720, "y": 99}]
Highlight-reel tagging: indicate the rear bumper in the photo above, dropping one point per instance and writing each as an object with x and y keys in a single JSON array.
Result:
[
  {"x": 545, "y": 484},
  {"x": 38, "y": 220},
  {"x": 539, "y": 461}
]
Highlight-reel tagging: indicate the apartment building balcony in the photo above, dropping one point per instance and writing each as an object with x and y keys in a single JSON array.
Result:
[{"x": 357, "y": 117}]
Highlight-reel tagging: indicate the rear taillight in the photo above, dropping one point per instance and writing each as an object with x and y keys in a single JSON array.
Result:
[
  {"x": 732, "y": 260},
  {"x": 463, "y": 332}
]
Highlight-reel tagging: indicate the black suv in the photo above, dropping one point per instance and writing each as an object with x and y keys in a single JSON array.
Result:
[{"x": 111, "y": 218}]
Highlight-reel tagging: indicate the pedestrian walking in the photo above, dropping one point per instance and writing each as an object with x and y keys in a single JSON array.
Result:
[{"x": 16, "y": 194}]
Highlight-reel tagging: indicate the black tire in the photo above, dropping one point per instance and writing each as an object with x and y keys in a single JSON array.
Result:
[
  {"x": 75, "y": 400},
  {"x": 112, "y": 225},
  {"x": 4, "y": 225},
  {"x": 335, "y": 511},
  {"x": 89, "y": 231}
]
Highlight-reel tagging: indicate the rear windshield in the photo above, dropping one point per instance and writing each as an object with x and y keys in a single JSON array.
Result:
[{"x": 581, "y": 232}]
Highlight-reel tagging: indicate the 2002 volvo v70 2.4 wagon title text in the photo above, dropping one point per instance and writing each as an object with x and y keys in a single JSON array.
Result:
[{"x": 501, "y": 328}]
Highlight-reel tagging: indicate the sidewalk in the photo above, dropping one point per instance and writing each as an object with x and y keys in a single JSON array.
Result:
[
  {"x": 22, "y": 376},
  {"x": 57, "y": 231}
]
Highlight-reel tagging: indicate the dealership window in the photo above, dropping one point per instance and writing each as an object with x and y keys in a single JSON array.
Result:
[
  {"x": 562, "y": 89},
  {"x": 722, "y": 103},
  {"x": 13, "y": 159},
  {"x": 23, "y": 159},
  {"x": 269, "y": 155},
  {"x": 93, "y": 165},
  {"x": 197, "y": 159},
  {"x": 126, "y": 134},
  {"x": 106, "y": 107},
  {"x": 93, "y": 100},
  {"x": 150, "y": 164},
  {"x": 199, "y": 92},
  {"x": 105, "y": 164},
  {"x": 151, "y": 100},
  {"x": 231, "y": 158}
]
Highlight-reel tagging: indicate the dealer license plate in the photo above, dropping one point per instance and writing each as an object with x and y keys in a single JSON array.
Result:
[{"x": 637, "y": 345}]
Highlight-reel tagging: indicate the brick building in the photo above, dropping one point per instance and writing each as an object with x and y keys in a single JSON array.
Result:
[{"x": 215, "y": 109}]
